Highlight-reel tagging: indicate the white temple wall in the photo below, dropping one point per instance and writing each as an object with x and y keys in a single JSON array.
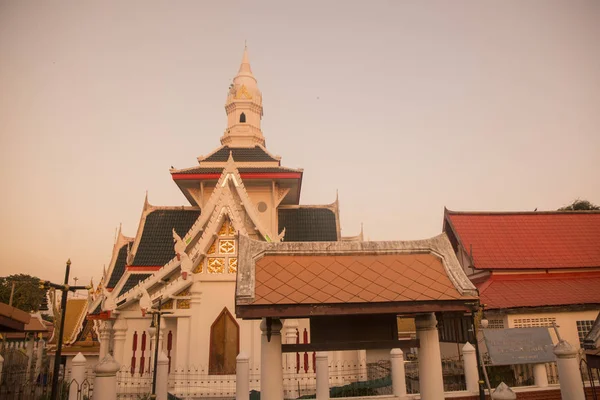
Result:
[{"x": 264, "y": 194}]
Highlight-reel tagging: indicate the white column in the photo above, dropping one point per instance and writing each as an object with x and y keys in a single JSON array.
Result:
[
  {"x": 120, "y": 333},
  {"x": 398, "y": 374},
  {"x": 503, "y": 392},
  {"x": 431, "y": 380},
  {"x": 290, "y": 327},
  {"x": 77, "y": 376},
  {"x": 470, "y": 367},
  {"x": 183, "y": 342},
  {"x": 162, "y": 376},
  {"x": 197, "y": 324},
  {"x": 291, "y": 333},
  {"x": 540, "y": 377},
  {"x": 38, "y": 358},
  {"x": 105, "y": 382},
  {"x": 271, "y": 370},
  {"x": 242, "y": 377},
  {"x": 104, "y": 339},
  {"x": 571, "y": 385},
  {"x": 322, "y": 376}
]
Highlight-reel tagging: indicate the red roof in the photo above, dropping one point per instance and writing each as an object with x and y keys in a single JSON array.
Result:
[
  {"x": 528, "y": 240},
  {"x": 529, "y": 290}
]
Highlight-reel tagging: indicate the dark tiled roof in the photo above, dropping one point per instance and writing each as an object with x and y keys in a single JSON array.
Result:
[
  {"x": 156, "y": 243},
  {"x": 308, "y": 225},
  {"x": 133, "y": 280},
  {"x": 119, "y": 267},
  {"x": 240, "y": 154},
  {"x": 207, "y": 170}
]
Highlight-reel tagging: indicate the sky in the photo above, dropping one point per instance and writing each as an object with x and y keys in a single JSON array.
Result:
[{"x": 403, "y": 107}]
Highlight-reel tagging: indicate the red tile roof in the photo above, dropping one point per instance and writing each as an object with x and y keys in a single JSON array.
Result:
[
  {"x": 531, "y": 240},
  {"x": 529, "y": 290},
  {"x": 329, "y": 279}
]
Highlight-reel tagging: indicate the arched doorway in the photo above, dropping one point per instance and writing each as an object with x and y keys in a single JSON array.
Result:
[{"x": 224, "y": 344}]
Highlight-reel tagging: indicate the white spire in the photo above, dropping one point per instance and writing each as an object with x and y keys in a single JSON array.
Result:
[{"x": 244, "y": 109}]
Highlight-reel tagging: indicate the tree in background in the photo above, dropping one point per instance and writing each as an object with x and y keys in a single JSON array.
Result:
[
  {"x": 580, "y": 205},
  {"x": 27, "y": 295}
]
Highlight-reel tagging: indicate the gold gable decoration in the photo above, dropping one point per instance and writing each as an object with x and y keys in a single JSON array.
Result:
[{"x": 222, "y": 253}]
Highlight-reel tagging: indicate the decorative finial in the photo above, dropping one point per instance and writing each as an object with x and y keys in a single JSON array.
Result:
[
  {"x": 69, "y": 262},
  {"x": 245, "y": 44}
]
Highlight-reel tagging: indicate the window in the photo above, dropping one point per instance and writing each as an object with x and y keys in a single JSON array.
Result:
[
  {"x": 224, "y": 344},
  {"x": 583, "y": 328},
  {"x": 496, "y": 324},
  {"x": 242, "y": 117},
  {"x": 534, "y": 322}
]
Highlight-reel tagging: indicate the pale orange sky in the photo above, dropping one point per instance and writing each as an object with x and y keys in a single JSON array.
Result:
[{"x": 404, "y": 107}]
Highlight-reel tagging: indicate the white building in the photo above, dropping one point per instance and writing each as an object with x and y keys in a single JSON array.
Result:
[{"x": 187, "y": 256}]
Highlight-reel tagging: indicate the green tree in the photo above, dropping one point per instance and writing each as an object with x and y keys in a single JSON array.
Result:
[
  {"x": 580, "y": 205},
  {"x": 27, "y": 295}
]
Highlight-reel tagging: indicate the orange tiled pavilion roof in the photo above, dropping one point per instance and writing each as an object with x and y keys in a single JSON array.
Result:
[{"x": 336, "y": 278}]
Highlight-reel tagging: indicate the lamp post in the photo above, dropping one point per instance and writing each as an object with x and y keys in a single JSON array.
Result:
[
  {"x": 65, "y": 288},
  {"x": 156, "y": 316},
  {"x": 484, "y": 323}
]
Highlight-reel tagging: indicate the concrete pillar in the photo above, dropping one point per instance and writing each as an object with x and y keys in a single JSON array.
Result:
[
  {"x": 571, "y": 385},
  {"x": 271, "y": 370},
  {"x": 77, "y": 376},
  {"x": 105, "y": 382},
  {"x": 120, "y": 333},
  {"x": 322, "y": 376},
  {"x": 398, "y": 375},
  {"x": 105, "y": 332},
  {"x": 182, "y": 355},
  {"x": 540, "y": 376},
  {"x": 38, "y": 358},
  {"x": 431, "y": 380},
  {"x": 470, "y": 367},
  {"x": 242, "y": 377},
  {"x": 162, "y": 376}
]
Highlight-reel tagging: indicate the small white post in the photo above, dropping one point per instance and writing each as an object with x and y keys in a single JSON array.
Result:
[
  {"x": 540, "y": 376},
  {"x": 571, "y": 385},
  {"x": 77, "y": 376},
  {"x": 242, "y": 378},
  {"x": 503, "y": 392},
  {"x": 398, "y": 375},
  {"x": 1, "y": 366},
  {"x": 322, "y": 376},
  {"x": 162, "y": 376},
  {"x": 105, "y": 382},
  {"x": 470, "y": 367}
]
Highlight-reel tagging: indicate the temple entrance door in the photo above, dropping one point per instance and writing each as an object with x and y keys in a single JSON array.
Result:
[{"x": 224, "y": 344}]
